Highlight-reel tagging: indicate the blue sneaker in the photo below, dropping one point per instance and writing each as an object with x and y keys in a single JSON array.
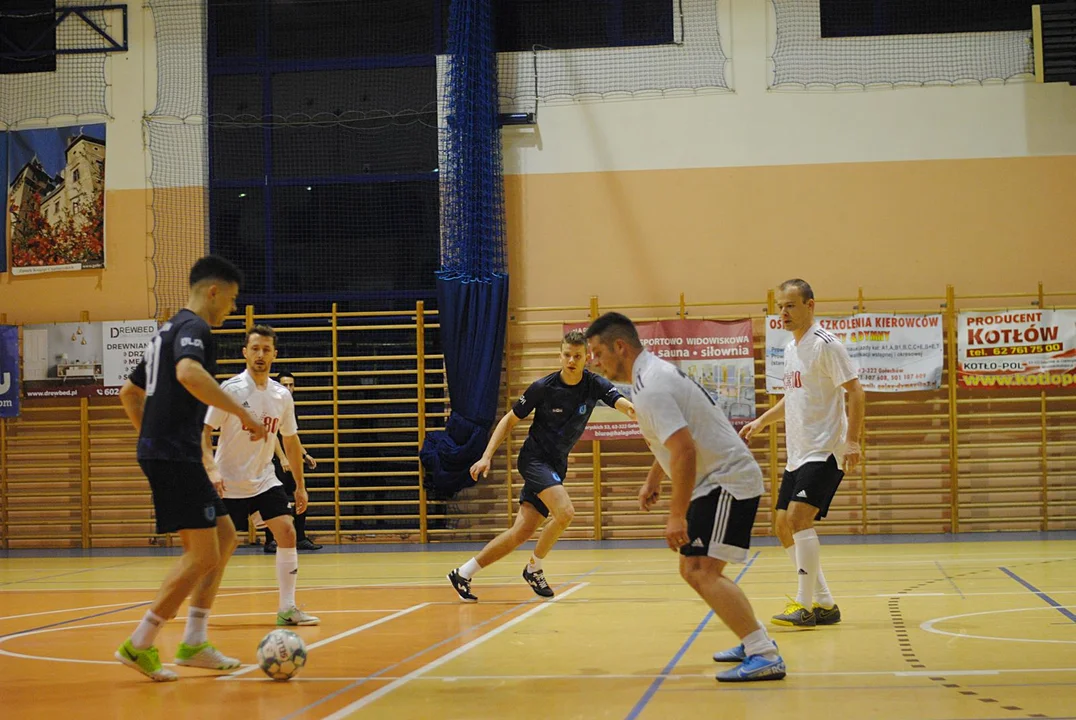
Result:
[
  {"x": 755, "y": 667},
  {"x": 736, "y": 655}
]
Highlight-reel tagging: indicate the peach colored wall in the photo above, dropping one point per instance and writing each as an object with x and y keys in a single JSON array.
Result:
[
  {"x": 121, "y": 290},
  {"x": 895, "y": 228}
]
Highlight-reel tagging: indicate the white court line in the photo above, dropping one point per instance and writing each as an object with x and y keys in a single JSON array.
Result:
[
  {"x": 338, "y": 636},
  {"x": 929, "y": 626},
  {"x": 399, "y": 682}
]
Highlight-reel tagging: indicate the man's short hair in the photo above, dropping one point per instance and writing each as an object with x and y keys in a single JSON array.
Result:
[
  {"x": 804, "y": 288},
  {"x": 613, "y": 326},
  {"x": 573, "y": 337},
  {"x": 214, "y": 267},
  {"x": 285, "y": 374},
  {"x": 264, "y": 331}
]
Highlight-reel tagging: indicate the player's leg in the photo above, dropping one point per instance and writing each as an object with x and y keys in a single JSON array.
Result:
[
  {"x": 816, "y": 486},
  {"x": 195, "y": 650},
  {"x": 527, "y": 520},
  {"x": 182, "y": 504},
  {"x": 561, "y": 510},
  {"x": 276, "y": 509},
  {"x": 719, "y": 531}
]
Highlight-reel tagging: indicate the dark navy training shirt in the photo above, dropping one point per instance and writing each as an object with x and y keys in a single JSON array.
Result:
[
  {"x": 561, "y": 413},
  {"x": 173, "y": 418}
]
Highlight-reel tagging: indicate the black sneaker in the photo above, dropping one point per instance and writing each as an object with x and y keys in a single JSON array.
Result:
[
  {"x": 308, "y": 544},
  {"x": 537, "y": 582},
  {"x": 270, "y": 547},
  {"x": 462, "y": 586}
]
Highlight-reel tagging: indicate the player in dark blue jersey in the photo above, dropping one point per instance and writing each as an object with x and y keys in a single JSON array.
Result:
[
  {"x": 562, "y": 403},
  {"x": 166, "y": 398}
]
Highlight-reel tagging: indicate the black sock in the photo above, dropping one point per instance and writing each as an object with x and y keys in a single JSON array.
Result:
[{"x": 300, "y": 527}]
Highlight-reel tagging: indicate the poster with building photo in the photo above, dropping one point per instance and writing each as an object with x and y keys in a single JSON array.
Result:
[{"x": 56, "y": 199}]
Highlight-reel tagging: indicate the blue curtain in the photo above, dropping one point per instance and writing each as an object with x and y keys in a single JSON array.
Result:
[{"x": 472, "y": 286}]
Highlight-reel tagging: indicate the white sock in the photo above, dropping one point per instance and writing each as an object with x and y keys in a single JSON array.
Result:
[
  {"x": 807, "y": 564},
  {"x": 469, "y": 569},
  {"x": 147, "y": 630},
  {"x": 822, "y": 595},
  {"x": 535, "y": 564},
  {"x": 759, "y": 643},
  {"x": 197, "y": 626},
  {"x": 287, "y": 573}
]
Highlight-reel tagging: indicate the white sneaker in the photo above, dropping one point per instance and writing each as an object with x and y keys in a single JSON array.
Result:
[
  {"x": 204, "y": 656},
  {"x": 295, "y": 616}
]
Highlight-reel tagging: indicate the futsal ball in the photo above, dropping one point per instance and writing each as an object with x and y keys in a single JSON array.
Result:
[{"x": 281, "y": 654}]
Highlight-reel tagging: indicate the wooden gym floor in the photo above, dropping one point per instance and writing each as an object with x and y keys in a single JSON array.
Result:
[{"x": 976, "y": 627}]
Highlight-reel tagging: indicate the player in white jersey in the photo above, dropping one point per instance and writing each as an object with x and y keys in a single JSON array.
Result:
[
  {"x": 244, "y": 473},
  {"x": 818, "y": 373},
  {"x": 716, "y": 485}
]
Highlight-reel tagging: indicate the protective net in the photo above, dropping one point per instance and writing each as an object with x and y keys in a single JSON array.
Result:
[
  {"x": 78, "y": 87},
  {"x": 802, "y": 58},
  {"x": 176, "y": 134},
  {"x": 664, "y": 48}
]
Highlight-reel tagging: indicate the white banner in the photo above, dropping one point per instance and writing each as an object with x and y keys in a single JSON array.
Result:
[
  {"x": 1017, "y": 348},
  {"x": 124, "y": 342},
  {"x": 893, "y": 353}
]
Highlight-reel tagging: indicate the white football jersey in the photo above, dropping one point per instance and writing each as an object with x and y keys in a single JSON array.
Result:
[
  {"x": 247, "y": 465},
  {"x": 815, "y": 422},
  {"x": 666, "y": 400}
]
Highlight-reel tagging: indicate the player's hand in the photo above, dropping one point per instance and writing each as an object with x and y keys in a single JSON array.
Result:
[
  {"x": 256, "y": 429},
  {"x": 676, "y": 532},
  {"x": 631, "y": 413},
  {"x": 301, "y": 500},
  {"x": 285, "y": 466},
  {"x": 216, "y": 479},
  {"x": 748, "y": 431},
  {"x": 479, "y": 469},
  {"x": 310, "y": 462},
  {"x": 649, "y": 496},
  {"x": 852, "y": 455}
]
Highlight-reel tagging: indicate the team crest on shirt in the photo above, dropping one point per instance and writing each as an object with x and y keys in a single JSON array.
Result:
[
  {"x": 583, "y": 409},
  {"x": 210, "y": 512}
]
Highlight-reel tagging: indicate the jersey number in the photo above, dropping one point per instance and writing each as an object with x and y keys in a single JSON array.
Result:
[
  {"x": 271, "y": 424},
  {"x": 152, "y": 357}
]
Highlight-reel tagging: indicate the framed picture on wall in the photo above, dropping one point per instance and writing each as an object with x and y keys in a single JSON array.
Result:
[{"x": 56, "y": 199}]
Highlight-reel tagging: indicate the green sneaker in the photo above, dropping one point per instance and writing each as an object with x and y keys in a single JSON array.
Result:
[
  {"x": 204, "y": 656},
  {"x": 147, "y": 662},
  {"x": 295, "y": 616}
]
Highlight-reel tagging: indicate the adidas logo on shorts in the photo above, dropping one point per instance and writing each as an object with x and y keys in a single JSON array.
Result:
[
  {"x": 802, "y": 494},
  {"x": 697, "y": 542}
]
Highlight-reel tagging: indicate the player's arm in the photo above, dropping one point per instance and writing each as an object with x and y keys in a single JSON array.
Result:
[
  {"x": 625, "y": 406},
  {"x": 133, "y": 399},
  {"x": 857, "y": 408},
  {"x": 133, "y": 395},
  {"x": 208, "y": 461},
  {"x": 771, "y": 416},
  {"x": 509, "y": 421},
  {"x": 199, "y": 383},
  {"x": 650, "y": 492},
  {"x": 294, "y": 450},
  {"x": 285, "y": 464},
  {"x": 681, "y": 447}
]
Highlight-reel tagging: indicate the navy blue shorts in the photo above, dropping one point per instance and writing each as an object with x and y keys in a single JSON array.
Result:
[
  {"x": 538, "y": 475},
  {"x": 183, "y": 496}
]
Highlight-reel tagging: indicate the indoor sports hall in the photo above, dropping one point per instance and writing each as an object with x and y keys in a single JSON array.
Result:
[{"x": 423, "y": 198}]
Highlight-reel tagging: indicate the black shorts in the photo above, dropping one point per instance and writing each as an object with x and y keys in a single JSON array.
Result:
[
  {"x": 814, "y": 483},
  {"x": 183, "y": 496},
  {"x": 272, "y": 503},
  {"x": 720, "y": 526},
  {"x": 538, "y": 475}
]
